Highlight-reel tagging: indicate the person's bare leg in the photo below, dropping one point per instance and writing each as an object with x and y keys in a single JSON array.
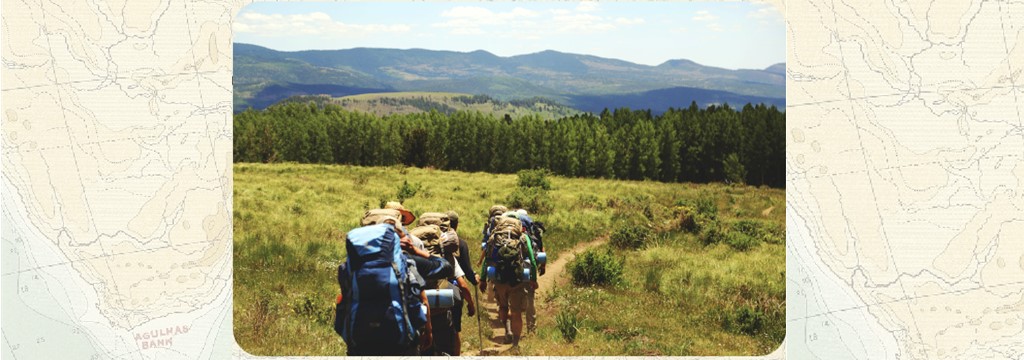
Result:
[
  {"x": 517, "y": 327},
  {"x": 458, "y": 344}
]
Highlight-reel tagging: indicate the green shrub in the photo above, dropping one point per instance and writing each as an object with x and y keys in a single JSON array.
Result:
[
  {"x": 688, "y": 219},
  {"x": 706, "y": 206},
  {"x": 316, "y": 311},
  {"x": 745, "y": 320},
  {"x": 534, "y": 179},
  {"x": 536, "y": 200},
  {"x": 767, "y": 231},
  {"x": 740, "y": 241},
  {"x": 712, "y": 232},
  {"x": 407, "y": 190},
  {"x": 631, "y": 237},
  {"x": 596, "y": 268},
  {"x": 568, "y": 324}
]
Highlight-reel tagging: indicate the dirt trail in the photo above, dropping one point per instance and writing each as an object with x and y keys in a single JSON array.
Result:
[{"x": 555, "y": 274}]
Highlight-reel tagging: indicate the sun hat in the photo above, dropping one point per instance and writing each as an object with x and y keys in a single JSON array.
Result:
[{"x": 407, "y": 216}]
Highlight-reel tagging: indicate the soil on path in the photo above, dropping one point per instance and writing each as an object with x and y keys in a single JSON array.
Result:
[{"x": 554, "y": 275}]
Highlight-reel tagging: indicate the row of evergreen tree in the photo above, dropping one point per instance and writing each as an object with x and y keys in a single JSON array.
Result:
[{"x": 717, "y": 143}]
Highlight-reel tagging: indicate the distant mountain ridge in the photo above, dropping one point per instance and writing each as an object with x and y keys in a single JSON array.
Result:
[{"x": 263, "y": 76}]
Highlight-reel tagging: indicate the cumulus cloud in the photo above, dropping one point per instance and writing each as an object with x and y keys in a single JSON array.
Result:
[
  {"x": 522, "y": 23},
  {"x": 584, "y": 23},
  {"x": 472, "y": 19},
  {"x": 765, "y": 16},
  {"x": 704, "y": 16},
  {"x": 587, "y": 6},
  {"x": 629, "y": 21},
  {"x": 315, "y": 23}
]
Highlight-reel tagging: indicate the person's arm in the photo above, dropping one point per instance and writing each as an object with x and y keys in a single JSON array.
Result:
[
  {"x": 464, "y": 262},
  {"x": 432, "y": 267},
  {"x": 464, "y": 289}
]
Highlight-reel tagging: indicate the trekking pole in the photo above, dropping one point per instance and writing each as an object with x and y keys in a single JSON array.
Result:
[{"x": 479, "y": 326}]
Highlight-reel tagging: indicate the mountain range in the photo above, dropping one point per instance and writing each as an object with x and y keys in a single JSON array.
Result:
[{"x": 264, "y": 76}]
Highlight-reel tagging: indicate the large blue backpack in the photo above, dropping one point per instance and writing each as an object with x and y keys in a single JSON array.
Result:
[{"x": 381, "y": 306}]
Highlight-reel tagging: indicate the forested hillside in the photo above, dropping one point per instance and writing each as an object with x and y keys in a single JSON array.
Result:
[{"x": 715, "y": 144}]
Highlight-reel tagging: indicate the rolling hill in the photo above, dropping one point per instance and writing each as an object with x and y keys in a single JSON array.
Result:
[
  {"x": 263, "y": 76},
  {"x": 382, "y": 104}
]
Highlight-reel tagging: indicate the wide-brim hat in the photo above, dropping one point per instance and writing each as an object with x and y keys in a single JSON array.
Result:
[{"x": 407, "y": 216}]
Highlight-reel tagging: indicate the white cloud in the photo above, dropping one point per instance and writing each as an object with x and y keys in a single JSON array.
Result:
[
  {"x": 315, "y": 23},
  {"x": 715, "y": 27},
  {"x": 765, "y": 13},
  {"x": 587, "y": 6},
  {"x": 467, "y": 12},
  {"x": 582, "y": 23},
  {"x": 632, "y": 21},
  {"x": 468, "y": 20},
  {"x": 704, "y": 16},
  {"x": 521, "y": 23}
]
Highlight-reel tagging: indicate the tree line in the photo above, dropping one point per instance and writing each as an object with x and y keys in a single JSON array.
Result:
[{"x": 713, "y": 144}]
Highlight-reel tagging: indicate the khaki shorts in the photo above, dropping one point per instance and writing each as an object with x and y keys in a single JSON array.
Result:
[{"x": 513, "y": 297}]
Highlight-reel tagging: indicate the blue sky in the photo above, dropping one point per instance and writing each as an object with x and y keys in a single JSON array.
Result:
[{"x": 731, "y": 35}]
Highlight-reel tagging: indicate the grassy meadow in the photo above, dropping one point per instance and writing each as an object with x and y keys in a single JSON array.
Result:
[{"x": 697, "y": 269}]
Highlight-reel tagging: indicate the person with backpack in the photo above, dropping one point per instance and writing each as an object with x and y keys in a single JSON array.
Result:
[
  {"x": 510, "y": 266},
  {"x": 382, "y": 310},
  {"x": 493, "y": 213},
  {"x": 440, "y": 239},
  {"x": 536, "y": 231}
]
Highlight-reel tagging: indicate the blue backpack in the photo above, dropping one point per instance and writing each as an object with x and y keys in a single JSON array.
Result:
[
  {"x": 535, "y": 229},
  {"x": 381, "y": 306}
]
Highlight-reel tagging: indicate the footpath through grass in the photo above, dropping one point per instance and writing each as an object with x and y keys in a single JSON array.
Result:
[{"x": 694, "y": 284}]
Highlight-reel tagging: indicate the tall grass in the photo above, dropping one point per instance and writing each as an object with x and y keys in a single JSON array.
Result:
[{"x": 290, "y": 220}]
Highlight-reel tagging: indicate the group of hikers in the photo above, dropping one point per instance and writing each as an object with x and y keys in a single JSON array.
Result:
[{"x": 403, "y": 290}]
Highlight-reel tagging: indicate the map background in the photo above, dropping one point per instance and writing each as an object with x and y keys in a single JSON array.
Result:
[{"x": 904, "y": 160}]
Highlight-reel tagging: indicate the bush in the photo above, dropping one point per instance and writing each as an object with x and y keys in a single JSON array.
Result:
[
  {"x": 706, "y": 206},
  {"x": 712, "y": 232},
  {"x": 596, "y": 268},
  {"x": 533, "y": 199},
  {"x": 688, "y": 219},
  {"x": 740, "y": 241},
  {"x": 534, "y": 179},
  {"x": 407, "y": 190},
  {"x": 568, "y": 324},
  {"x": 745, "y": 320},
  {"x": 631, "y": 237},
  {"x": 766, "y": 231}
]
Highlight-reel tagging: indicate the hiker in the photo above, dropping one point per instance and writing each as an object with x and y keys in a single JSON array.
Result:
[
  {"x": 510, "y": 266},
  {"x": 467, "y": 267},
  {"x": 435, "y": 230},
  {"x": 382, "y": 310},
  {"x": 492, "y": 213},
  {"x": 535, "y": 230}
]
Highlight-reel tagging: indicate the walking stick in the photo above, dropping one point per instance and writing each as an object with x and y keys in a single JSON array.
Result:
[{"x": 479, "y": 326}]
